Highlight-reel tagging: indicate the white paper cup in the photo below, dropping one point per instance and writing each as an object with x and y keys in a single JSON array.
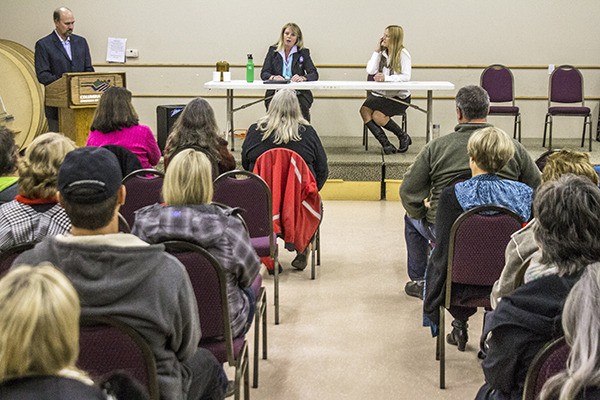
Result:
[
  {"x": 227, "y": 76},
  {"x": 216, "y": 76}
]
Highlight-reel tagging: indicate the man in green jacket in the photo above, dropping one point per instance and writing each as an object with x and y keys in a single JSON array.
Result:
[{"x": 438, "y": 163}]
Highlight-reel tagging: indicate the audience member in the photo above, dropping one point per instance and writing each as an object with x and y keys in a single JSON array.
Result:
[
  {"x": 117, "y": 122},
  {"x": 581, "y": 325},
  {"x": 60, "y": 52},
  {"x": 119, "y": 275},
  {"x": 35, "y": 213},
  {"x": 39, "y": 337},
  {"x": 284, "y": 126},
  {"x": 489, "y": 150},
  {"x": 8, "y": 165},
  {"x": 522, "y": 251},
  {"x": 436, "y": 165},
  {"x": 197, "y": 128},
  {"x": 568, "y": 226},
  {"x": 389, "y": 62},
  {"x": 188, "y": 215},
  {"x": 289, "y": 60}
]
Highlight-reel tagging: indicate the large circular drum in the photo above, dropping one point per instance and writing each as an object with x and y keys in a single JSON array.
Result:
[{"x": 22, "y": 96}]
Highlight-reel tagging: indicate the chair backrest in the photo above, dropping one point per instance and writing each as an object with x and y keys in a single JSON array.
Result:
[
  {"x": 566, "y": 85},
  {"x": 8, "y": 256},
  {"x": 107, "y": 344},
  {"x": 549, "y": 361},
  {"x": 250, "y": 193},
  {"x": 478, "y": 239},
  {"x": 295, "y": 197},
  {"x": 498, "y": 81},
  {"x": 143, "y": 188},
  {"x": 543, "y": 158},
  {"x": 210, "y": 287}
]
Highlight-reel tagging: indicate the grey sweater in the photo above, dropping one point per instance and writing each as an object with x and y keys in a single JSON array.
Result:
[
  {"x": 142, "y": 286},
  {"x": 442, "y": 159}
]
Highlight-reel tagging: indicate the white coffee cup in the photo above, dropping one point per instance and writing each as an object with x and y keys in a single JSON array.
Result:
[
  {"x": 227, "y": 76},
  {"x": 216, "y": 76}
]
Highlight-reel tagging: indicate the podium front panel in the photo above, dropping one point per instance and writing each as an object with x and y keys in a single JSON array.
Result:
[{"x": 85, "y": 90}]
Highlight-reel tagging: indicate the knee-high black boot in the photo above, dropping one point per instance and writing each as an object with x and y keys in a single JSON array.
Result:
[
  {"x": 379, "y": 134},
  {"x": 404, "y": 138}
]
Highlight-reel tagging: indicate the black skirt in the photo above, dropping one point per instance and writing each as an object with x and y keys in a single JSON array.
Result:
[{"x": 386, "y": 106}]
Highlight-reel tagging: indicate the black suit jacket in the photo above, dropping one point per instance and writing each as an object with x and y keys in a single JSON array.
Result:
[
  {"x": 52, "y": 61},
  {"x": 302, "y": 65}
]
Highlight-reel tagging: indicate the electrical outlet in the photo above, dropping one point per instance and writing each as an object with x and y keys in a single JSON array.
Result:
[{"x": 132, "y": 53}]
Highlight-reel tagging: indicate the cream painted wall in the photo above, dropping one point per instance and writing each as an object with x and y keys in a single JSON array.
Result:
[{"x": 437, "y": 32}]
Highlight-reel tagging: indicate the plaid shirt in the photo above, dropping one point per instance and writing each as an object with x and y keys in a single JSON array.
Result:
[
  {"x": 20, "y": 224},
  {"x": 218, "y": 231}
]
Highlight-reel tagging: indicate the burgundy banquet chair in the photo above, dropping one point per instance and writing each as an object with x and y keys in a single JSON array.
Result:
[
  {"x": 498, "y": 81},
  {"x": 107, "y": 345},
  {"x": 548, "y": 362},
  {"x": 566, "y": 86},
  {"x": 478, "y": 239}
]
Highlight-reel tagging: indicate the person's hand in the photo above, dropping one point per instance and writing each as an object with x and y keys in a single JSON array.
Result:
[
  {"x": 379, "y": 77},
  {"x": 379, "y": 47},
  {"x": 298, "y": 78},
  {"x": 276, "y": 78}
]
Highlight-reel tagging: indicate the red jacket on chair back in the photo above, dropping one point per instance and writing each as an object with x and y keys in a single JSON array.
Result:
[{"x": 296, "y": 199}]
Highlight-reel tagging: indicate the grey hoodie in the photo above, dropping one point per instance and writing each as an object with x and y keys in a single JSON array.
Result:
[{"x": 142, "y": 286}]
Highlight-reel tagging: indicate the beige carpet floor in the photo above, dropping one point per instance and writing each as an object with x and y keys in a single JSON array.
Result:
[{"x": 352, "y": 333}]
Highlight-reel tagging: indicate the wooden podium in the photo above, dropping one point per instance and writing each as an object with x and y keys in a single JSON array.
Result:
[{"x": 76, "y": 95}]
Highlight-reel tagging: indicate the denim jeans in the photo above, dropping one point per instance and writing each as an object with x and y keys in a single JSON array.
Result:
[{"x": 417, "y": 233}]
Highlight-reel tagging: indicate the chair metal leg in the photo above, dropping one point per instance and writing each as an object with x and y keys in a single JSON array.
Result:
[
  {"x": 246, "y": 377},
  {"x": 590, "y": 138},
  {"x": 319, "y": 245},
  {"x": 545, "y": 129},
  {"x": 404, "y": 122},
  {"x": 587, "y": 121},
  {"x": 276, "y": 289},
  {"x": 366, "y": 137},
  {"x": 517, "y": 128},
  {"x": 259, "y": 314},
  {"x": 442, "y": 342},
  {"x": 264, "y": 328},
  {"x": 313, "y": 250},
  {"x": 548, "y": 128}
]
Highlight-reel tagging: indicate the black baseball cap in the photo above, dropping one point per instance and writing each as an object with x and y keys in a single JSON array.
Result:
[{"x": 89, "y": 175}]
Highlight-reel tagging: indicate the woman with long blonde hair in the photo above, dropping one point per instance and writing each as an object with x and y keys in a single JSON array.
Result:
[
  {"x": 39, "y": 337},
  {"x": 284, "y": 126},
  {"x": 390, "y": 62}
]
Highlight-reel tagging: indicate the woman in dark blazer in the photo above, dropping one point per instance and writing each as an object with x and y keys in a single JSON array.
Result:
[{"x": 288, "y": 59}]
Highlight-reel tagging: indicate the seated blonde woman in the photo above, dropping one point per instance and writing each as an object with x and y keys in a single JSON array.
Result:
[
  {"x": 39, "y": 337},
  {"x": 189, "y": 215},
  {"x": 35, "y": 212},
  {"x": 522, "y": 251},
  {"x": 489, "y": 149}
]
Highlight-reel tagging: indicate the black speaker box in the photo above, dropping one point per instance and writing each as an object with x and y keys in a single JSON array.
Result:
[{"x": 165, "y": 119}]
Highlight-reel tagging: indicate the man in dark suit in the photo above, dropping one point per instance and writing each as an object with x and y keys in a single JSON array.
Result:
[{"x": 60, "y": 52}]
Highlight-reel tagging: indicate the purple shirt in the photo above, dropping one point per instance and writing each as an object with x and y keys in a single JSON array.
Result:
[{"x": 138, "y": 139}]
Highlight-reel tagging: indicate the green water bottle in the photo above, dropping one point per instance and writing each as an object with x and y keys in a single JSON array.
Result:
[{"x": 250, "y": 69}]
